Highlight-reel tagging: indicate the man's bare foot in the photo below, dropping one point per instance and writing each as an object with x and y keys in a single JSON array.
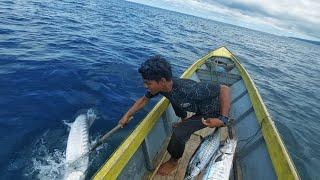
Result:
[{"x": 167, "y": 167}]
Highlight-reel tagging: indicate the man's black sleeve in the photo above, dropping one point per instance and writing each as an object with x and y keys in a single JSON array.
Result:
[{"x": 179, "y": 112}]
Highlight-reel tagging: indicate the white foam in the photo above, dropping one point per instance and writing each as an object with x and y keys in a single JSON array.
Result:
[
  {"x": 50, "y": 163},
  {"x": 46, "y": 164}
]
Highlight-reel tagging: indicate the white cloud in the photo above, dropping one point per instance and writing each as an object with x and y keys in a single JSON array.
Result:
[
  {"x": 299, "y": 18},
  {"x": 283, "y": 9}
]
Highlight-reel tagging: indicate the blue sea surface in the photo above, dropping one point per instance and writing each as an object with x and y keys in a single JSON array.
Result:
[{"x": 59, "y": 57}]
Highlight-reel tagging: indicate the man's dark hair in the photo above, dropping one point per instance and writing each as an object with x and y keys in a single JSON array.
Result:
[{"x": 155, "y": 68}]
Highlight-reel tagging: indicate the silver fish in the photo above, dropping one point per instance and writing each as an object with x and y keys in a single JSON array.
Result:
[
  {"x": 220, "y": 165},
  {"x": 202, "y": 156},
  {"x": 78, "y": 146}
]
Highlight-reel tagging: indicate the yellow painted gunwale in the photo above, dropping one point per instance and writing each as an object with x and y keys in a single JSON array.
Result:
[
  {"x": 280, "y": 158},
  {"x": 282, "y": 163}
]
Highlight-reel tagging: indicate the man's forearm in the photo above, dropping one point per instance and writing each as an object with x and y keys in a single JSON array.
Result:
[
  {"x": 224, "y": 100},
  {"x": 140, "y": 103}
]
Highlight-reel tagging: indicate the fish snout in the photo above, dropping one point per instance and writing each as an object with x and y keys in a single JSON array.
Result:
[{"x": 91, "y": 115}]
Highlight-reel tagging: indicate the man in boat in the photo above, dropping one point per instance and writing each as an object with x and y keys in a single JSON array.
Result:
[{"x": 210, "y": 103}]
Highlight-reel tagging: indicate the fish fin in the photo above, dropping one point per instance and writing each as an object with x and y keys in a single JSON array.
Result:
[
  {"x": 201, "y": 138},
  {"x": 219, "y": 158},
  {"x": 219, "y": 155},
  {"x": 67, "y": 123}
]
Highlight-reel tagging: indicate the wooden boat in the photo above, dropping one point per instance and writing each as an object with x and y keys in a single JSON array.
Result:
[{"x": 260, "y": 154}]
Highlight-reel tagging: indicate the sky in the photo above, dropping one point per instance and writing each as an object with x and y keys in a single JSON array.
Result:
[{"x": 293, "y": 18}]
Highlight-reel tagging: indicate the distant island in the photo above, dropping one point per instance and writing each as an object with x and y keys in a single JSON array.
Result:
[{"x": 309, "y": 41}]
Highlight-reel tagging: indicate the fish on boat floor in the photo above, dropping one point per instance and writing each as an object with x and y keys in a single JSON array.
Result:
[{"x": 191, "y": 146}]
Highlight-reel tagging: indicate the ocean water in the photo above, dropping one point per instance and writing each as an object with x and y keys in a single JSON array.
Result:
[{"x": 60, "y": 57}]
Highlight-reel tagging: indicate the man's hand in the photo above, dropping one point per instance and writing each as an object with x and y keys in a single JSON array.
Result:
[
  {"x": 212, "y": 122},
  {"x": 124, "y": 120}
]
